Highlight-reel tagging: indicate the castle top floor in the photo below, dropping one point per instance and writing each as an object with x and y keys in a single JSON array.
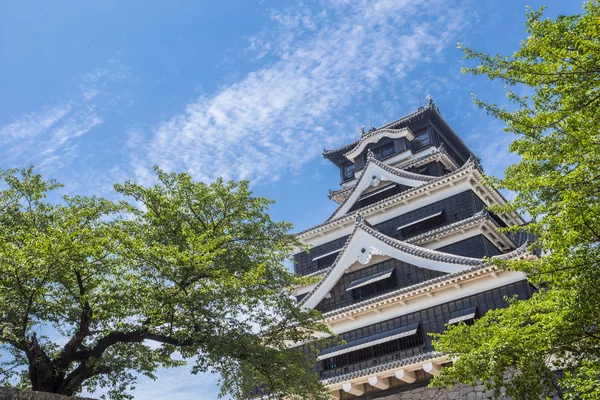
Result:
[{"x": 398, "y": 141}]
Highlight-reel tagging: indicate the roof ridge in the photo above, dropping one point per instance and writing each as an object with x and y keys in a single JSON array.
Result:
[
  {"x": 420, "y": 251},
  {"x": 470, "y": 163},
  {"x": 484, "y": 264},
  {"x": 412, "y": 114},
  {"x": 382, "y": 367},
  {"x": 409, "y": 248}
]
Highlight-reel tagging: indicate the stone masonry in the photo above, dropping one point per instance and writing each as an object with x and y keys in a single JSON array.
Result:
[
  {"x": 16, "y": 394},
  {"x": 459, "y": 391}
]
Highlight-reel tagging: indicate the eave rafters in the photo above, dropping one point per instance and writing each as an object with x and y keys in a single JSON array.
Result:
[
  {"x": 470, "y": 170},
  {"x": 436, "y": 154},
  {"x": 375, "y": 136},
  {"x": 386, "y": 370},
  {"x": 375, "y": 173}
]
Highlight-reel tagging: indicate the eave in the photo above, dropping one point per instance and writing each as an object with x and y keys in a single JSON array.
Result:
[
  {"x": 470, "y": 172},
  {"x": 374, "y": 137},
  {"x": 381, "y": 172},
  {"x": 365, "y": 242},
  {"x": 435, "y": 154},
  {"x": 481, "y": 221},
  {"x": 387, "y": 370}
]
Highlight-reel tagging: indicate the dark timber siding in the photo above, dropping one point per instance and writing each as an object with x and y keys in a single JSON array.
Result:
[
  {"x": 432, "y": 320},
  {"x": 477, "y": 246},
  {"x": 457, "y": 207},
  {"x": 404, "y": 275}
]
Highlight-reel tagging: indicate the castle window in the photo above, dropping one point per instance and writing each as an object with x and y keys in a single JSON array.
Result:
[
  {"x": 421, "y": 225},
  {"x": 421, "y": 141},
  {"x": 371, "y": 285},
  {"x": 377, "y": 195},
  {"x": 372, "y": 347},
  {"x": 466, "y": 315},
  {"x": 349, "y": 171},
  {"x": 326, "y": 260},
  {"x": 384, "y": 151}
]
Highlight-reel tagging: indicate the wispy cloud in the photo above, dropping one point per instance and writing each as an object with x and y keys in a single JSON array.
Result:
[
  {"x": 49, "y": 138},
  {"x": 281, "y": 116}
]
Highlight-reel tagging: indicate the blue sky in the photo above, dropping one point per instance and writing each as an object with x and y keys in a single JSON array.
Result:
[{"x": 93, "y": 93}]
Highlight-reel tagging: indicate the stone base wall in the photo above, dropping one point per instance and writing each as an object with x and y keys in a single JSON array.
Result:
[
  {"x": 462, "y": 392},
  {"x": 17, "y": 394},
  {"x": 457, "y": 392}
]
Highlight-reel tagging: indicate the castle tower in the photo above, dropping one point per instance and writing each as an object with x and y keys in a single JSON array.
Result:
[{"x": 403, "y": 255}]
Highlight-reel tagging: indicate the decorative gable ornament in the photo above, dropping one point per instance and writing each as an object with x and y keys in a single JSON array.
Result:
[
  {"x": 376, "y": 180},
  {"x": 365, "y": 254}
]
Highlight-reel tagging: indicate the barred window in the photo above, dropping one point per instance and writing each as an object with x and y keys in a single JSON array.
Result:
[
  {"x": 421, "y": 225},
  {"x": 348, "y": 171},
  {"x": 374, "y": 347}
]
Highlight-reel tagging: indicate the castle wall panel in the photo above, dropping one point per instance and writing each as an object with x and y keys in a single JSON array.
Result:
[
  {"x": 456, "y": 207},
  {"x": 432, "y": 320}
]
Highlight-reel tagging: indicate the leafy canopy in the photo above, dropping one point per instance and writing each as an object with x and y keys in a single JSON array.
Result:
[
  {"x": 557, "y": 128},
  {"x": 93, "y": 293}
]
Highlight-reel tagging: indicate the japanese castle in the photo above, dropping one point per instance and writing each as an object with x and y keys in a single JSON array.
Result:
[{"x": 403, "y": 255}]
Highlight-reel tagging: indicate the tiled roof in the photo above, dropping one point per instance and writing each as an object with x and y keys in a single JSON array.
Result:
[
  {"x": 468, "y": 165},
  {"x": 365, "y": 138},
  {"x": 437, "y": 153},
  {"x": 448, "y": 277},
  {"x": 383, "y": 367},
  {"x": 319, "y": 272},
  {"x": 422, "y": 252},
  {"x": 474, "y": 219},
  {"x": 398, "y": 244},
  {"x": 399, "y": 123},
  {"x": 392, "y": 170}
]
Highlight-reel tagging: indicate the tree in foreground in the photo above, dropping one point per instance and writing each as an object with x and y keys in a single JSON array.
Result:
[
  {"x": 557, "y": 181},
  {"x": 93, "y": 293}
]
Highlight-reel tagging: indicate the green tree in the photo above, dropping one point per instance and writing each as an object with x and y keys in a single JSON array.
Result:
[
  {"x": 557, "y": 128},
  {"x": 93, "y": 293}
]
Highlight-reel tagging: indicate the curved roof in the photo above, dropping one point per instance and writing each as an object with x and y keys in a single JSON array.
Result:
[
  {"x": 436, "y": 154},
  {"x": 401, "y": 250},
  {"x": 430, "y": 110},
  {"x": 365, "y": 241},
  {"x": 374, "y": 137},
  {"x": 398, "y": 124},
  {"x": 337, "y": 214},
  {"x": 374, "y": 168}
]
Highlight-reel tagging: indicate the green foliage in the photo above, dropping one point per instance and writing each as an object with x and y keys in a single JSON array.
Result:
[
  {"x": 184, "y": 269},
  {"x": 557, "y": 128}
]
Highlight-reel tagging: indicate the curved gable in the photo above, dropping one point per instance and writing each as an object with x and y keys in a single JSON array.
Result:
[
  {"x": 376, "y": 136},
  {"x": 365, "y": 242},
  {"x": 374, "y": 173}
]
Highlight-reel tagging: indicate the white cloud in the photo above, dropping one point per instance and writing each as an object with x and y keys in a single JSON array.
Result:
[
  {"x": 50, "y": 137},
  {"x": 34, "y": 124},
  {"x": 281, "y": 116}
]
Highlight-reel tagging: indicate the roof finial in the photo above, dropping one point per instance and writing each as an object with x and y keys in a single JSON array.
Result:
[
  {"x": 362, "y": 130},
  {"x": 359, "y": 218},
  {"x": 370, "y": 155},
  {"x": 428, "y": 97}
]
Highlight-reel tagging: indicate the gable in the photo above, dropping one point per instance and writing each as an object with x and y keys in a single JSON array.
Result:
[
  {"x": 392, "y": 274},
  {"x": 379, "y": 180},
  {"x": 376, "y": 136},
  {"x": 365, "y": 242}
]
